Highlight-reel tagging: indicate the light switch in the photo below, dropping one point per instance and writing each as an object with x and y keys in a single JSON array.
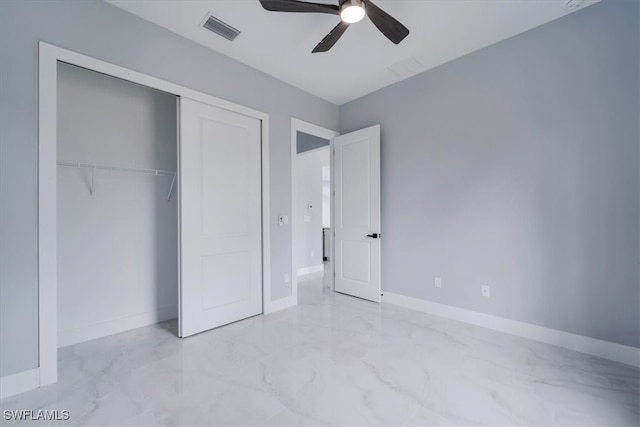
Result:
[{"x": 307, "y": 218}]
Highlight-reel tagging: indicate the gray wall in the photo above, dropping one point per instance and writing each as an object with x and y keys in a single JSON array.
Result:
[
  {"x": 118, "y": 248},
  {"x": 517, "y": 167},
  {"x": 100, "y": 30},
  {"x": 306, "y": 142}
]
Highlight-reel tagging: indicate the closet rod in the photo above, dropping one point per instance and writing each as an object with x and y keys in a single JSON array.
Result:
[{"x": 156, "y": 172}]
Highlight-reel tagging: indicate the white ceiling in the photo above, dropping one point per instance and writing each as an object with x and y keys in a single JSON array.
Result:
[{"x": 280, "y": 44}]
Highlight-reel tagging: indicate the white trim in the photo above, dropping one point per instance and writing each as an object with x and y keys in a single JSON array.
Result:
[
  {"x": 332, "y": 214},
  {"x": 311, "y": 129},
  {"x": 266, "y": 221},
  {"x": 113, "y": 326},
  {"x": 605, "y": 349},
  {"x": 47, "y": 249},
  {"x": 282, "y": 303},
  {"x": 310, "y": 270},
  {"x": 179, "y": 206},
  {"x": 19, "y": 383},
  {"x": 48, "y": 57}
]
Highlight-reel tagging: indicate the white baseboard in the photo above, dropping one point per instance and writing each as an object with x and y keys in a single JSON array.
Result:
[
  {"x": 19, "y": 383},
  {"x": 281, "y": 304},
  {"x": 310, "y": 270},
  {"x": 608, "y": 350},
  {"x": 114, "y": 326}
]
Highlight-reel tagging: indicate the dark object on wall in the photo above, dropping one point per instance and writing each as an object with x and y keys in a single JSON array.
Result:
[{"x": 326, "y": 243}]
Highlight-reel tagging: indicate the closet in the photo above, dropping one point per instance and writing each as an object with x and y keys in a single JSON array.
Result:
[
  {"x": 117, "y": 225},
  {"x": 159, "y": 203}
]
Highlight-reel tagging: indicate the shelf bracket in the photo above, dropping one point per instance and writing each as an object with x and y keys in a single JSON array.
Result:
[
  {"x": 93, "y": 179},
  {"x": 173, "y": 181}
]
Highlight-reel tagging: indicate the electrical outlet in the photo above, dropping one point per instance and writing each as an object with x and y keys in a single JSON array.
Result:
[
  {"x": 312, "y": 254},
  {"x": 286, "y": 277},
  {"x": 437, "y": 282},
  {"x": 485, "y": 290}
]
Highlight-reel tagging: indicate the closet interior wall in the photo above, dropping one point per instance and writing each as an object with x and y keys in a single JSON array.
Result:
[{"x": 116, "y": 230}]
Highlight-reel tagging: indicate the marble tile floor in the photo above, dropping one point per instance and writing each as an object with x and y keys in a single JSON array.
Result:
[{"x": 333, "y": 360}]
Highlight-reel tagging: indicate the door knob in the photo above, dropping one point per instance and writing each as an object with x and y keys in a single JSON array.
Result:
[{"x": 374, "y": 235}]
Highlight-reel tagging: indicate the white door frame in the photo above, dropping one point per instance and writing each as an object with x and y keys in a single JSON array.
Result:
[
  {"x": 311, "y": 129},
  {"x": 49, "y": 55}
]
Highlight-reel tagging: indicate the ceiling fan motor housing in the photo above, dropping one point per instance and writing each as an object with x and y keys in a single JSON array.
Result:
[
  {"x": 351, "y": 11},
  {"x": 345, "y": 3}
]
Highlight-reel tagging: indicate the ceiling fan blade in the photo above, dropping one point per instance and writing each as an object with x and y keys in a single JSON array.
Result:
[
  {"x": 331, "y": 38},
  {"x": 388, "y": 25},
  {"x": 299, "y": 6}
]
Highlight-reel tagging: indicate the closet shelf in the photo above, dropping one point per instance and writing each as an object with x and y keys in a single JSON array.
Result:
[{"x": 138, "y": 171}]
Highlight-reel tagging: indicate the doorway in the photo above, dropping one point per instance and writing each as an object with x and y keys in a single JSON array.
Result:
[{"x": 311, "y": 198}]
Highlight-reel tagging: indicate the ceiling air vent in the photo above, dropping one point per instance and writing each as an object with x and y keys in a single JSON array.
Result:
[{"x": 222, "y": 29}]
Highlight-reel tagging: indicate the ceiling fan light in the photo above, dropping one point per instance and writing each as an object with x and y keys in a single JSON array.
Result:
[{"x": 352, "y": 12}]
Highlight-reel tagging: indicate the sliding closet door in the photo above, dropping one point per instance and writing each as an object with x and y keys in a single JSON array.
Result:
[{"x": 220, "y": 217}]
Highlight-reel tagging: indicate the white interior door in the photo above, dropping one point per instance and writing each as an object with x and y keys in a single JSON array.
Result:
[
  {"x": 220, "y": 217},
  {"x": 357, "y": 213}
]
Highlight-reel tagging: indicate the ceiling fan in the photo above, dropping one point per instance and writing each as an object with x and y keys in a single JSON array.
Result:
[{"x": 350, "y": 11}]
